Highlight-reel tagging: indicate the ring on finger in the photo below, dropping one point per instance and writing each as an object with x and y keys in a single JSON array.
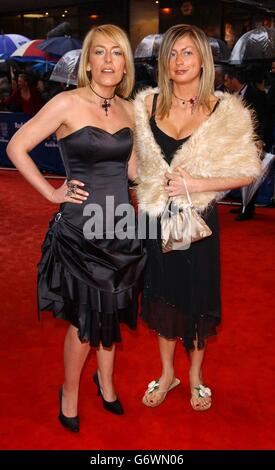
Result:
[{"x": 72, "y": 187}]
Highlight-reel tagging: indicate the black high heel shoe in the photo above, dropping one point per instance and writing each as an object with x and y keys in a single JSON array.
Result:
[
  {"x": 112, "y": 406},
  {"x": 70, "y": 423}
]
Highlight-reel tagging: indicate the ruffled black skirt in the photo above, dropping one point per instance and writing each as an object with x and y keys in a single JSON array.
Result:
[
  {"x": 92, "y": 284},
  {"x": 181, "y": 295}
]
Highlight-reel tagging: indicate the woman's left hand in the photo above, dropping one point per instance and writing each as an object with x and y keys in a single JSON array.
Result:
[{"x": 174, "y": 182}]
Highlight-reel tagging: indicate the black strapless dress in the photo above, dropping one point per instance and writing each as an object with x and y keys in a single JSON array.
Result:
[{"x": 93, "y": 283}]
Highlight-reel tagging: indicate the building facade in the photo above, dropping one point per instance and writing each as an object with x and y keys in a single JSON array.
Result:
[{"x": 225, "y": 19}]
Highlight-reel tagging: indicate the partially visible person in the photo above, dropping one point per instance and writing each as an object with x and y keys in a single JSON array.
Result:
[
  {"x": 14, "y": 85},
  {"x": 25, "y": 98},
  {"x": 252, "y": 93},
  {"x": 5, "y": 87},
  {"x": 271, "y": 112},
  {"x": 219, "y": 78},
  {"x": 48, "y": 88},
  {"x": 41, "y": 88},
  {"x": 144, "y": 75},
  {"x": 271, "y": 104}
]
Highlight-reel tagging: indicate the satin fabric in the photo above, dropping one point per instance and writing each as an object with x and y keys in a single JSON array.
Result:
[
  {"x": 92, "y": 283},
  {"x": 185, "y": 226}
]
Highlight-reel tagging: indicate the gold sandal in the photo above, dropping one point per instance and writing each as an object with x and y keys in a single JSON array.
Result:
[
  {"x": 198, "y": 394},
  {"x": 153, "y": 387}
]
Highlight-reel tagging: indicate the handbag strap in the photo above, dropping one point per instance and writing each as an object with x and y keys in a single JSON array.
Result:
[
  {"x": 170, "y": 199},
  {"x": 187, "y": 192}
]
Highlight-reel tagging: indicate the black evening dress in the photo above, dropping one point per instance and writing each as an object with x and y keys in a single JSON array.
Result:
[
  {"x": 93, "y": 283},
  {"x": 181, "y": 295}
]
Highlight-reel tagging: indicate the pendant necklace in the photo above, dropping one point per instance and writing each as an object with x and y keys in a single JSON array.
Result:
[
  {"x": 192, "y": 101},
  {"x": 106, "y": 103}
]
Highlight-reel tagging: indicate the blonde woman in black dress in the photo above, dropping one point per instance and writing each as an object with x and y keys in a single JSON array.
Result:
[
  {"x": 186, "y": 131},
  {"x": 91, "y": 282}
]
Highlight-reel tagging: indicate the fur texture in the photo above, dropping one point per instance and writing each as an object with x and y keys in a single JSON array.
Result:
[{"x": 223, "y": 146}]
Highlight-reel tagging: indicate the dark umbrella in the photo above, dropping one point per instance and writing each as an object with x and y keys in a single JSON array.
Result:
[
  {"x": 63, "y": 29},
  {"x": 220, "y": 50},
  {"x": 60, "y": 45},
  {"x": 257, "y": 44}
]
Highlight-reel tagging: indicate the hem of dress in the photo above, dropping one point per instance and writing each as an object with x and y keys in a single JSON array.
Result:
[
  {"x": 83, "y": 338},
  {"x": 175, "y": 338},
  {"x": 188, "y": 340}
]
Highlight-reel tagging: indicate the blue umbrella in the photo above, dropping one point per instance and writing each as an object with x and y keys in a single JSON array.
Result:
[
  {"x": 9, "y": 43},
  {"x": 60, "y": 45},
  {"x": 43, "y": 66}
]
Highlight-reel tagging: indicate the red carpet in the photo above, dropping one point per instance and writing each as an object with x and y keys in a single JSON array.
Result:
[{"x": 239, "y": 365}]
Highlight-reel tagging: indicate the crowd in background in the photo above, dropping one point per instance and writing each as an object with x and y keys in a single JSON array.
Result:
[{"x": 27, "y": 91}]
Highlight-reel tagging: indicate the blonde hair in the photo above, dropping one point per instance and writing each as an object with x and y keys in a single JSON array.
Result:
[
  {"x": 119, "y": 37},
  {"x": 206, "y": 87}
]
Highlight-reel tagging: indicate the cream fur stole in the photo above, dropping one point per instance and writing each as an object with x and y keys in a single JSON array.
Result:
[{"x": 223, "y": 146}]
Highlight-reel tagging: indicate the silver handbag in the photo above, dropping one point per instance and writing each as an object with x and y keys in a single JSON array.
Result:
[{"x": 181, "y": 226}]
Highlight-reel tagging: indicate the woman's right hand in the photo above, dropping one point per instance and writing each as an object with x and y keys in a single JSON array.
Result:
[{"x": 69, "y": 192}]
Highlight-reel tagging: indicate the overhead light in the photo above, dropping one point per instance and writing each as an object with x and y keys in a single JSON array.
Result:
[
  {"x": 94, "y": 17},
  {"x": 166, "y": 10},
  {"x": 33, "y": 15},
  {"x": 46, "y": 14}
]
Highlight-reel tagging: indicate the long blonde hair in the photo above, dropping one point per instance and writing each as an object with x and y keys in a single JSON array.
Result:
[
  {"x": 119, "y": 37},
  {"x": 206, "y": 87}
]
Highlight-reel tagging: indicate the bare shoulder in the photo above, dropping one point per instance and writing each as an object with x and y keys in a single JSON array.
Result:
[
  {"x": 149, "y": 103},
  {"x": 213, "y": 100},
  {"x": 70, "y": 97},
  {"x": 207, "y": 110},
  {"x": 62, "y": 102},
  {"x": 127, "y": 103},
  {"x": 67, "y": 103},
  {"x": 128, "y": 107}
]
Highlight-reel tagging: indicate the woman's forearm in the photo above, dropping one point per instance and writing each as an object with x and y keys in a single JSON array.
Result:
[
  {"x": 175, "y": 183},
  {"x": 201, "y": 185},
  {"x": 29, "y": 170}
]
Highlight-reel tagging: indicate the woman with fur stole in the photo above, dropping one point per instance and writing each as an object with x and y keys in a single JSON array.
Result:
[{"x": 188, "y": 135}]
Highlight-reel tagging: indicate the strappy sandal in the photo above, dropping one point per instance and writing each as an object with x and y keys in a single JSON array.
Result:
[
  {"x": 153, "y": 388},
  {"x": 198, "y": 394}
]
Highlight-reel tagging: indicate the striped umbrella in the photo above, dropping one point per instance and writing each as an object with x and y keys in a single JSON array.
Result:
[
  {"x": 9, "y": 43},
  {"x": 30, "y": 52}
]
